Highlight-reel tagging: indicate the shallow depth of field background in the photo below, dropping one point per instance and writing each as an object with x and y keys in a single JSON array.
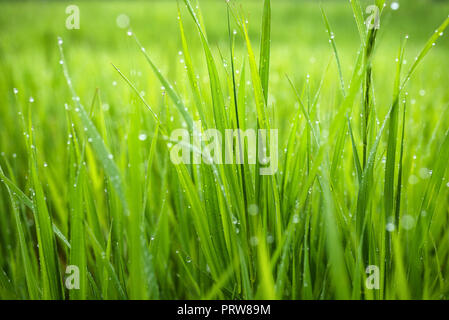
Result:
[
  {"x": 29, "y": 61},
  {"x": 29, "y": 55}
]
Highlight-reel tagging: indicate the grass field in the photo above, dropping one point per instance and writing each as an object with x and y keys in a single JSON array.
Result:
[{"x": 93, "y": 207}]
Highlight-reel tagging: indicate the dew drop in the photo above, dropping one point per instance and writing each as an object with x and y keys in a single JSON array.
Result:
[
  {"x": 122, "y": 21},
  {"x": 253, "y": 209},
  {"x": 407, "y": 222},
  {"x": 295, "y": 219},
  {"x": 253, "y": 241},
  {"x": 394, "y": 6},
  {"x": 390, "y": 227}
]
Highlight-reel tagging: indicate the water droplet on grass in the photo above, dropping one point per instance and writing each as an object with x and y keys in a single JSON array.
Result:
[
  {"x": 413, "y": 179},
  {"x": 390, "y": 227},
  {"x": 253, "y": 241},
  {"x": 122, "y": 21},
  {"x": 253, "y": 209},
  {"x": 425, "y": 173},
  {"x": 295, "y": 219},
  {"x": 394, "y": 6},
  {"x": 407, "y": 222}
]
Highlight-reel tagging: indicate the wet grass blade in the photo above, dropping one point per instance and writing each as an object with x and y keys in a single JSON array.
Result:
[
  {"x": 265, "y": 45},
  {"x": 31, "y": 279},
  {"x": 358, "y": 167},
  {"x": 334, "y": 49},
  {"x": 190, "y": 71},
  {"x": 48, "y": 256},
  {"x": 104, "y": 155},
  {"x": 427, "y": 47},
  {"x": 390, "y": 165},
  {"x": 215, "y": 86}
]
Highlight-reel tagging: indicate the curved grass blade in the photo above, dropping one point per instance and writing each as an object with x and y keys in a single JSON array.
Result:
[
  {"x": 334, "y": 48},
  {"x": 215, "y": 87},
  {"x": 390, "y": 165},
  {"x": 427, "y": 47},
  {"x": 190, "y": 71},
  {"x": 48, "y": 256},
  {"x": 265, "y": 45},
  {"x": 32, "y": 284},
  {"x": 358, "y": 167},
  {"x": 105, "y": 157}
]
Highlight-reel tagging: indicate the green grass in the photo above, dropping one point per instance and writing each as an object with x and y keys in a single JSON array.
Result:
[{"x": 87, "y": 180}]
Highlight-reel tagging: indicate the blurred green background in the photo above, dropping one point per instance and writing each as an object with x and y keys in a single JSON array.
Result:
[{"x": 29, "y": 54}]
